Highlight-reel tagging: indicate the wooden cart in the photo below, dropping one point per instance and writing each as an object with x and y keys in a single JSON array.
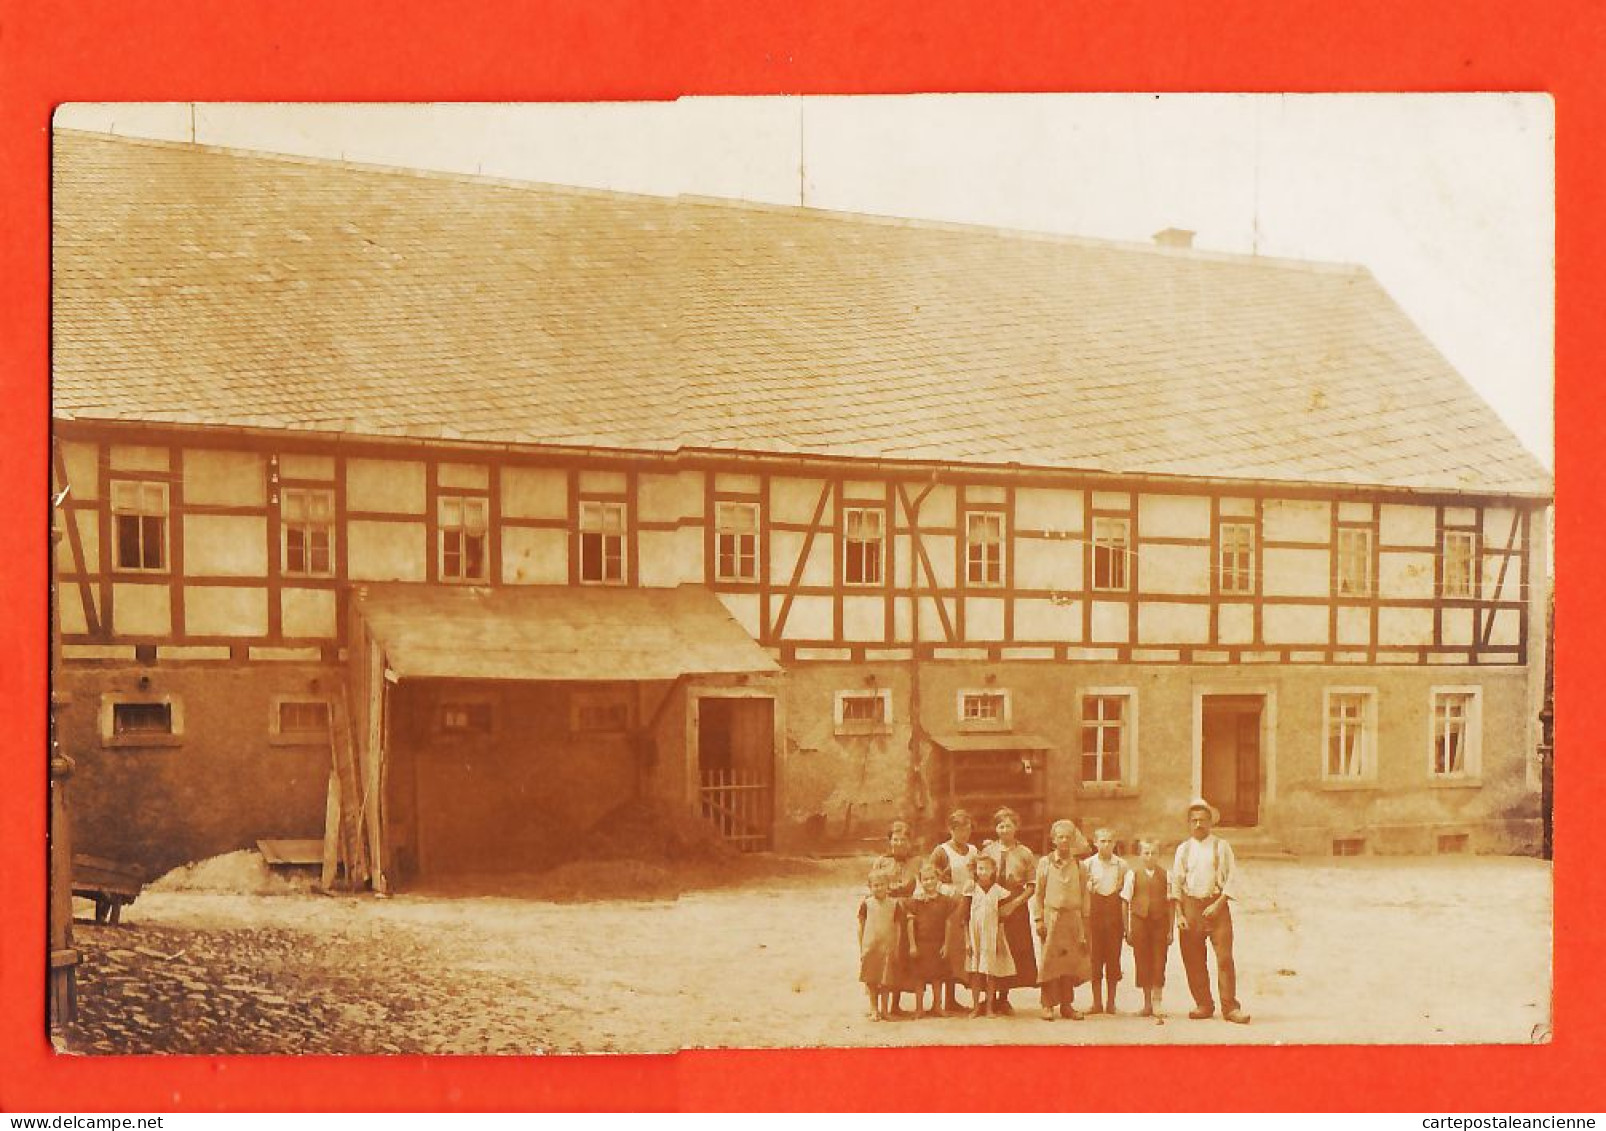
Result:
[{"x": 109, "y": 883}]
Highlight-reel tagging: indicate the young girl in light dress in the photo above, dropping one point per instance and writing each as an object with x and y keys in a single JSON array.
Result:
[
  {"x": 987, "y": 955},
  {"x": 880, "y": 922}
]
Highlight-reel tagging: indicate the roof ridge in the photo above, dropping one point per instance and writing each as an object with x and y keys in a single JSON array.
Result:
[{"x": 1029, "y": 235}]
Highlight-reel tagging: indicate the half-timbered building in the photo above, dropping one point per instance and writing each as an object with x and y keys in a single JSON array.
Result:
[{"x": 536, "y": 501}]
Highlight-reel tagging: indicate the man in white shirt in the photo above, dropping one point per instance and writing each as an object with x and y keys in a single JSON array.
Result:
[{"x": 1202, "y": 882}]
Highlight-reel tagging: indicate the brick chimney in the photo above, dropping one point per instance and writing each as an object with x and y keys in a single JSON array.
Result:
[{"x": 1174, "y": 237}]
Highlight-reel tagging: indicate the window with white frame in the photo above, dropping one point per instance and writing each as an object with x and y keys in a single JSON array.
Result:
[
  {"x": 602, "y": 542},
  {"x": 863, "y": 532},
  {"x": 1109, "y": 729},
  {"x": 1458, "y": 556},
  {"x": 864, "y": 712},
  {"x": 983, "y": 707},
  {"x": 1237, "y": 561},
  {"x": 1354, "y": 562},
  {"x": 984, "y": 548},
  {"x": 306, "y": 525},
  {"x": 139, "y": 525},
  {"x": 736, "y": 541},
  {"x": 299, "y": 720},
  {"x": 1351, "y": 734},
  {"x": 1456, "y": 732},
  {"x": 463, "y": 537},
  {"x": 141, "y": 719},
  {"x": 1110, "y": 549}
]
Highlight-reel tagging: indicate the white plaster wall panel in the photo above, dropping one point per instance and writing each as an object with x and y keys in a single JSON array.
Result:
[
  {"x": 534, "y": 492},
  {"x": 88, "y": 540},
  {"x": 736, "y": 481},
  {"x": 743, "y": 607},
  {"x": 83, "y": 469},
  {"x": 786, "y": 545},
  {"x": 534, "y": 557},
  {"x": 984, "y": 618},
  {"x": 1171, "y": 622},
  {"x": 1110, "y": 623},
  {"x": 931, "y": 627},
  {"x": 1173, "y": 569},
  {"x": 141, "y": 610},
  {"x": 1048, "y": 620},
  {"x": 1296, "y": 520},
  {"x": 665, "y": 561},
  {"x": 1044, "y": 564},
  {"x": 1405, "y": 626},
  {"x": 472, "y": 476},
  {"x": 864, "y": 618},
  {"x": 901, "y": 615},
  {"x": 810, "y": 619},
  {"x": 1295, "y": 573},
  {"x": 228, "y": 479},
  {"x": 218, "y": 545},
  {"x": 1235, "y": 624},
  {"x": 1456, "y": 626},
  {"x": 1405, "y": 575},
  {"x": 794, "y": 500},
  {"x": 1496, "y": 527},
  {"x": 1494, "y": 589},
  {"x": 1507, "y": 627},
  {"x": 602, "y": 482},
  {"x": 1355, "y": 512},
  {"x": 1043, "y": 509},
  {"x": 937, "y": 508},
  {"x": 385, "y": 551},
  {"x": 135, "y": 457},
  {"x": 1400, "y": 525},
  {"x": 307, "y": 612},
  {"x": 669, "y": 498},
  {"x": 1111, "y": 500},
  {"x": 297, "y": 465},
  {"x": 386, "y": 486},
  {"x": 1293, "y": 624},
  {"x": 225, "y": 610},
  {"x": 940, "y": 553},
  {"x": 1174, "y": 516},
  {"x": 1460, "y": 516},
  {"x": 983, "y": 493},
  {"x": 904, "y": 565},
  {"x": 1237, "y": 508},
  {"x": 864, "y": 492},
  {"x": 70, "y": 610},
  {"x": 1354, "y": 626}
]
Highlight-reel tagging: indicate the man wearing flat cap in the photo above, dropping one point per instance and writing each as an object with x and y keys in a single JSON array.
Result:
[{"x": 1202, "y": 883}]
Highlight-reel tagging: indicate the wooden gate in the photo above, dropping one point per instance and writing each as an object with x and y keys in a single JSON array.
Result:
[{"x": 738, "y": 804}]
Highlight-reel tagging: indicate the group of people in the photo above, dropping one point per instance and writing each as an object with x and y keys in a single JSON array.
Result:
[{"x": 999, "y": 918}]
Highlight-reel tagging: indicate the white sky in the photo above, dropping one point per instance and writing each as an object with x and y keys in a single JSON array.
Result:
[{"x": 1447, "y": 198}]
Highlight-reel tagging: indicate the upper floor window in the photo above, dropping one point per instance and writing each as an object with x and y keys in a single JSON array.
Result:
[
  {"x": 1110, "y": 550},
  {"x": 602, "y": 542},
  {"x": 463, "y": 536},
  {"x": 139, "y": 525},
  {"x": 1457, "y": 564},
  {"x": 1354, "y": 572},
  {"x": 984, "y": 548},
  {"x": 306, "y": 520},
  {"x": 1351, "y": 731},
  {"x": 1237, "y": 561},
  {"x": 1456, "y": 732},
  {"x": 736, "y": 541},
  {"x": 1108, "y": 724},
  {"x": 863, "y": 537}
]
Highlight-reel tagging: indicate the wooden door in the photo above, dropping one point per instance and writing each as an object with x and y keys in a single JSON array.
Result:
[
  {"x": 1229, "y": 770},
  {"x": 736, "y": 768}
]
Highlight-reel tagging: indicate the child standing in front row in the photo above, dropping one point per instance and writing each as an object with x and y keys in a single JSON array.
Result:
[
  {"x": 880, "y": 918},
  {"x": 987, "y": 956},
  {"x": 925, "y": 918},
  {"x": 1106, "y": 873},
  {"x": 1150, "y": 921}
]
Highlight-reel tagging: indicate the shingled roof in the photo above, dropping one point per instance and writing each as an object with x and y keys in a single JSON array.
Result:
[{"x": 207, "y": 286}]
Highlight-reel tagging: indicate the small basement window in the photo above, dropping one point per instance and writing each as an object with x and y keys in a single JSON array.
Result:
[
  {"x": 1349, "y": 846},
  {"x": 299, "y": 721},
  {"x": 864, "y": 712},
  {"x": 140, "y": 720}
]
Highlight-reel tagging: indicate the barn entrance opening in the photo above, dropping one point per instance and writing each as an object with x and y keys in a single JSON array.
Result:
[{"x": 736, "y": 768}]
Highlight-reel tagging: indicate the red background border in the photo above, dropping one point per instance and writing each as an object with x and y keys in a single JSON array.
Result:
[{"x": 507, "y": 50}]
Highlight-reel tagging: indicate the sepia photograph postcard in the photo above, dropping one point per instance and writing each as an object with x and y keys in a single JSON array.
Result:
[{"x": 801, "y": 571}]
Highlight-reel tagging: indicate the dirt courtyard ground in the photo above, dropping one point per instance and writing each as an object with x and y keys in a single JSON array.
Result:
[{"x": 1348, "y": 951}]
